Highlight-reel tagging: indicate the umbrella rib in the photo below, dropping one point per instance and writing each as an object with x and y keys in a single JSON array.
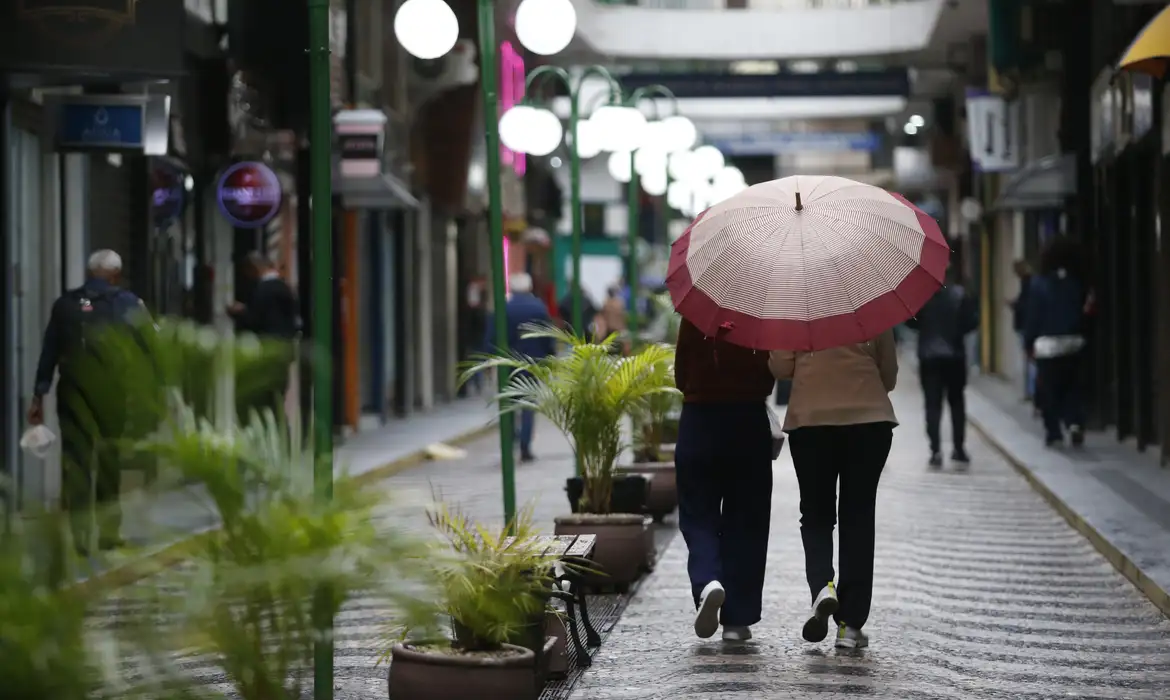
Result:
[{"x": 739, "y": 266}]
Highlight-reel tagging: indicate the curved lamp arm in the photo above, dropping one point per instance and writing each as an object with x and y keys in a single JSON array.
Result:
[{"x": 653, "y": 91}]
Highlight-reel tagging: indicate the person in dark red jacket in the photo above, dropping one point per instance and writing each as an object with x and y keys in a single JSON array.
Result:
[{"x": 724, "y": 465}]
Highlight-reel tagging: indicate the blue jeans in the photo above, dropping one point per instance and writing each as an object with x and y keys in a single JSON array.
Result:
[
  {"x": 526, "y": 426},
  {"x": 724, "y": 466}
]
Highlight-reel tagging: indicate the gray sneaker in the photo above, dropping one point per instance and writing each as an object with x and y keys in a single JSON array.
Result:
[
  {"x": 817, "y": 627},
  {"x": 736, "y": 633},
  {"x": 849, "y": 638}
]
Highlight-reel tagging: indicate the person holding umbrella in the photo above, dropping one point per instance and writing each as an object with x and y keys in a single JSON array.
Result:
[{"x": 818, "y": 270}]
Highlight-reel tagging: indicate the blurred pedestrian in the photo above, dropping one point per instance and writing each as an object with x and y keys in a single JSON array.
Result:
[
  {"x": 613, "y": 318},
  {"x": 1019, "y": 310},
  {"x": 1054, "y": 335},
  {"x": 723, "y": 460},
  {"x": 942, "y": 325},
  {"x": 588, "y": 311},
  {"x": 840, "y": 424},
  {"x": 91, "y": 408},
  {"x": 476, "y": 328},
  {"x": 272, "y": 313},
  {"x": 524, "y": 308}
]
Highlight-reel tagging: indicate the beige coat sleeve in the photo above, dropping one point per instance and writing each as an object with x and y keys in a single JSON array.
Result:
[
  {"x": 887, "y": 359},
  {"x": 782, "y": 363}
]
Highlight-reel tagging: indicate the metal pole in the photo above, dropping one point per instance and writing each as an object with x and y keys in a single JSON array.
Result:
[
  {"x": 321, "y": 190},
  {"x": 632, "y": 203},
  {"x": 487, "y": 85},
  {"x": 578, "y": 223}
]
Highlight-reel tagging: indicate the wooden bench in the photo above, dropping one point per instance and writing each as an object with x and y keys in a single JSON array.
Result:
[{"x": 566, "y": 555}]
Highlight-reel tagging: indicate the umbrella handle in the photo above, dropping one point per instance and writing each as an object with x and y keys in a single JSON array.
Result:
[{"x": 799, "y": 206}]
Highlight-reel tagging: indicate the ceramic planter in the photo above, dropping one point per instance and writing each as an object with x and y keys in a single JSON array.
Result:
[
  {"x": 629, "y": 493},
  {"x": 419, "y": 673},
  {"x": 621, "y": 549},
  {"x": 662, "y": 492}
]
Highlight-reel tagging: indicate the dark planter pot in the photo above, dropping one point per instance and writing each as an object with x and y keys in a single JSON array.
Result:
[
  {"x": 662, "y": 492},
  {"x": 557, "y": 663},
  {"x": 629, "y": 493},
  {"x": 620, "y": 554},
  {"x": 669, "y": 430},
  {"x": 416, "y": 674}
]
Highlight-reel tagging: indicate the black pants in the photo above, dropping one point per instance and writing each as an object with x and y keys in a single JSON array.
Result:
[
  {"x": 855, "y": 455},
  {"x": 944, "y": 379},
  {"x": 91, "y": 468},
  {"x": 1058, "y": 393},
  {"x": 723, "y": 460}
]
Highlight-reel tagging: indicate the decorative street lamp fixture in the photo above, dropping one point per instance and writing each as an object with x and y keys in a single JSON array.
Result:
[{"x": 612, "y": 127}]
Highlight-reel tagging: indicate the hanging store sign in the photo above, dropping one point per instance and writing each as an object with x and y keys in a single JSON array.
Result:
[
  {"x": 110, "y": 122},
  {"x": 893, "y": 82},
  {"x": 993, "y": 132},
  {"x": 361, "y": 138},
  {"x": 112, "y": 37},
  {"x": 249, "y": 194}
]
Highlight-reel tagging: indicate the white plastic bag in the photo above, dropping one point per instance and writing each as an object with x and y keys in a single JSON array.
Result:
[
  {"x": 777, "y": 432},
  {"x": 37, "y": 441}
]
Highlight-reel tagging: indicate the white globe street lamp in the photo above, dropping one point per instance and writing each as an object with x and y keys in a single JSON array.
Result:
[
  {"x": 648, "y": 161},
  {"x": 678, "y": 195},
  {"x": 619, "y": 167},
  {"x": 679, "y": 133},
  {"x": 526, "y": 129},
  {"x": 681, "y": 166},
  {"x": 708, "y": 161},
  {"x": 729, "y": 177},
  {"x": 621, "y": 128},
  {"x": 588, "y": 142},
  {"x": 655, "y": 138},
  {"x": 545, "y": 27},
  {"x": 427, "y": 29},
  {"x": 654, "y": 182}
]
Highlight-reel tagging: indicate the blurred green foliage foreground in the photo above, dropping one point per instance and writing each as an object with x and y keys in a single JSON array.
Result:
[{"x": 246, "y": 597}]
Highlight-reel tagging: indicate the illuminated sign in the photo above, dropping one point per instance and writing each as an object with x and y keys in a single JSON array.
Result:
[
  {"x": 511, "y": 92},
  {"x": 249, "y": 194}
]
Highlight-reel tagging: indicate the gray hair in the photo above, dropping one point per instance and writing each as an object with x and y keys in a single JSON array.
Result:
[
  {"x": 520, "y": 282},
  {"x": 105, "y": 260}
]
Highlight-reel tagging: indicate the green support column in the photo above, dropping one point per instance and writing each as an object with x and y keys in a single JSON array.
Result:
[
  {"x": 321, "y": 192},
  {"x": 487, "y": 84}
]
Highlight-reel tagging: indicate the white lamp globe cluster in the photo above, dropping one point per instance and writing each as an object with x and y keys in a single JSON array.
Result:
[
  {"x": 702, "y": 179},
  {"x": 527, "y": 129},
  {"x": 428, "y": 29}
]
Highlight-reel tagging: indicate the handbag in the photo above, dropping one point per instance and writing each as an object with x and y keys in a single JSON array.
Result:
[{"x": 777, "y": 432}]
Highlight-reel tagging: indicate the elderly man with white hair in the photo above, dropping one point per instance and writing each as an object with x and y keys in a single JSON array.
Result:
[
  {"x": 523, "y": 307},
  {"x": 90, "y": 422}
]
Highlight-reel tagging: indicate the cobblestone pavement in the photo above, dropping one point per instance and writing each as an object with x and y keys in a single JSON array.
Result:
[{"x": 982, "y": 592}]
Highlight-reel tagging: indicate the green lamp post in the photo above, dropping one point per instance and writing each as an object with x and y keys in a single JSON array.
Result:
[{"x": 321, "y": 196}]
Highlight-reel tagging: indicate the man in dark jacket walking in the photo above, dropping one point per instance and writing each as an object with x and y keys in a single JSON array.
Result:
[
  {"x": 942, "y": 326},
  {"x": 523, "y": 307},
  {"x": 272, "y": 314},
  {"x": 91, "y": 405}
]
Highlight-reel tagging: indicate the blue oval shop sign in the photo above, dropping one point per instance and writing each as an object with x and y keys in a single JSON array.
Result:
[{"x": 249, "y": 194}]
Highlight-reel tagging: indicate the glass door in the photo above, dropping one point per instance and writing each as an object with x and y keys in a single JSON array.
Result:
[{"x": 29, "y": 303}]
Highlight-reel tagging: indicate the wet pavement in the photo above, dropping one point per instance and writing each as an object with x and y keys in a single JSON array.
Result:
[{"x": 982, "y": 592}]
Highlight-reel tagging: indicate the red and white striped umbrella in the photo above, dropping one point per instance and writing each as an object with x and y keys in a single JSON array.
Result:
[{"x": 806, "y": 263}]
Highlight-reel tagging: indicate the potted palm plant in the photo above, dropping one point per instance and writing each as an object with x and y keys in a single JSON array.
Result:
[
  {"x": 494, "y": 587},
  {"x": 649, "y": 458},
  {"x": 586, "y": 391}
]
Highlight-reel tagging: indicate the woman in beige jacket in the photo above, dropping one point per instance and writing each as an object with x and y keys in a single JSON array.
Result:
[{"x": 840, "y": 425}]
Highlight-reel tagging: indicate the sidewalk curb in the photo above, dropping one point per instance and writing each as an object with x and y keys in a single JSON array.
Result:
[
  {"x": 1126, "y": 566},
  {"x": 129, "y": 572}
]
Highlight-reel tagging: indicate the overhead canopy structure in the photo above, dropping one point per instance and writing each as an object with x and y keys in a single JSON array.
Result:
[{"x": 1042, "y": 184}]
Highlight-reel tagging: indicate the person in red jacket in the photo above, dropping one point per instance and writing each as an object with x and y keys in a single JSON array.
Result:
[{"x": 723, "y": 461}]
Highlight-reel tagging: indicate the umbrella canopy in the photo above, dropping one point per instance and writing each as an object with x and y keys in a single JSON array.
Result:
[
  {"x": 806, "y": 263},
  {"x": 1150, "y": 51}
]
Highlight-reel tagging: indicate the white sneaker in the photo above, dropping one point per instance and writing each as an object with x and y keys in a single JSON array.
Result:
[
  {"x": 707, "y": 617},
  {"x": 849, "y": 638},
  {"x": 736, "y": 633},
  {"x": 817, "y": 627}
]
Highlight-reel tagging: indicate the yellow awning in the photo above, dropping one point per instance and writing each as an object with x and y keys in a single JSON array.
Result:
[{"x": 1150, "y": 51}]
